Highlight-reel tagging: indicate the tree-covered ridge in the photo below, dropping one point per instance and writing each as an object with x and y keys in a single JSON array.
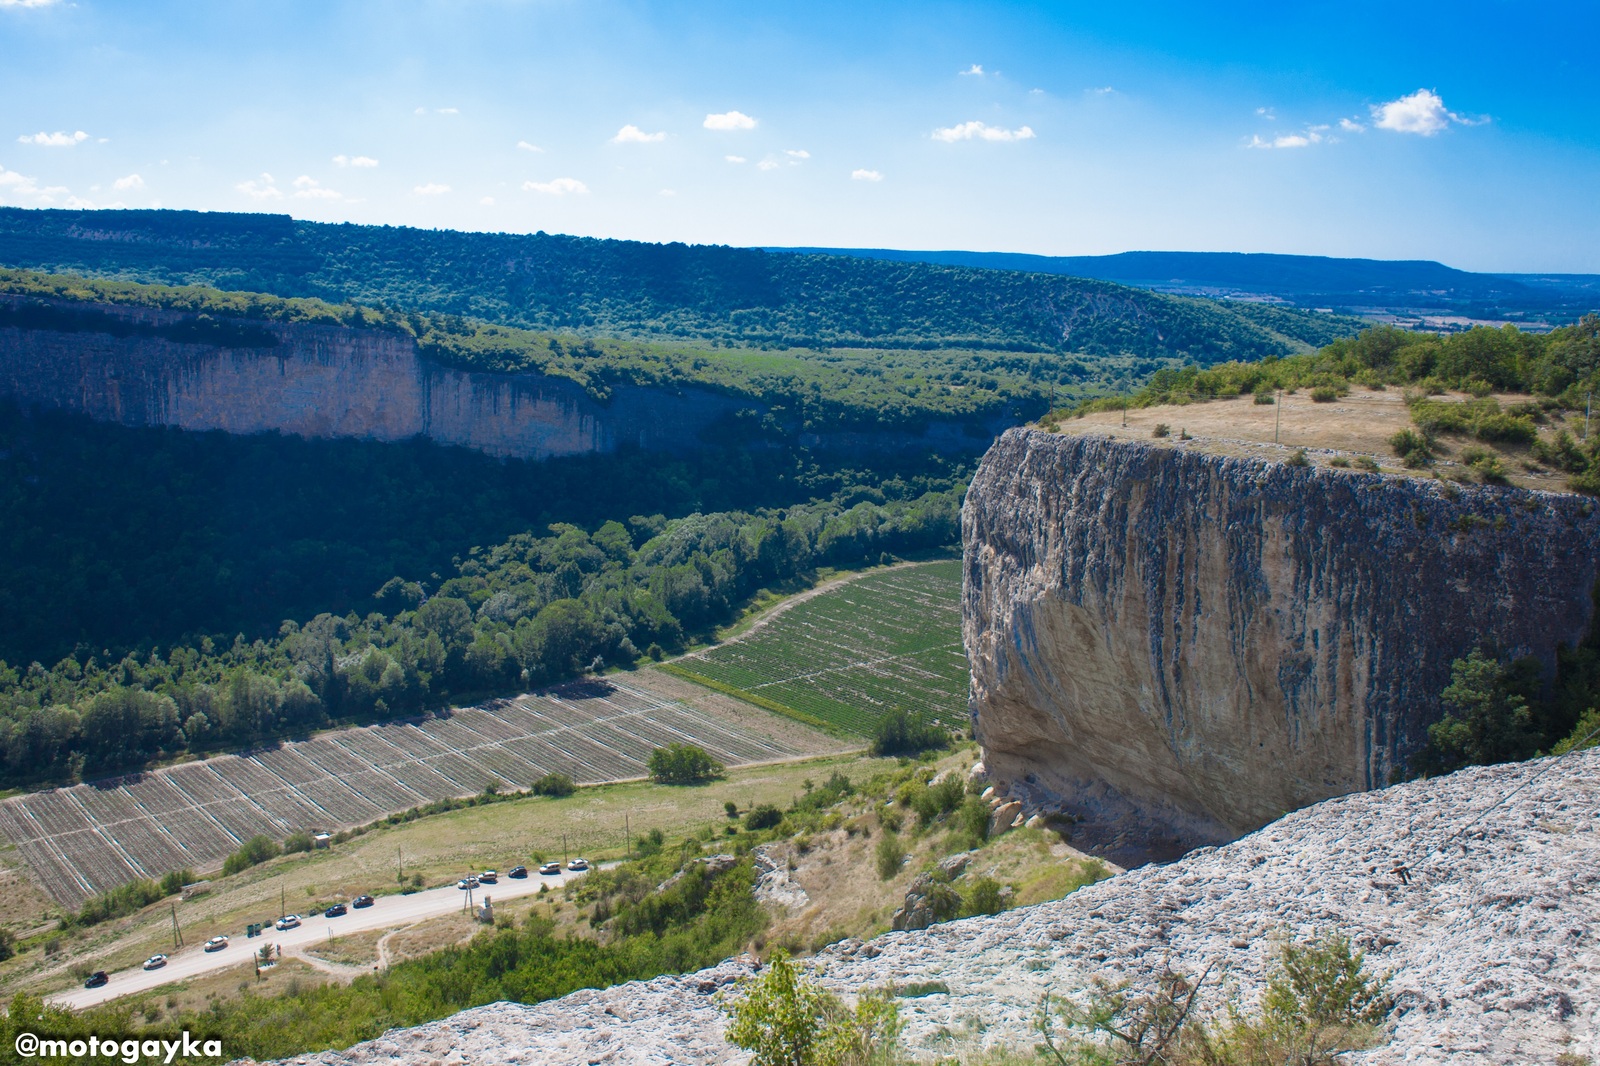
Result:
[
  {"x": 807, "y": 389},
  {"x": 630, "y": 288},
  {"x": 172, "y": 535}
]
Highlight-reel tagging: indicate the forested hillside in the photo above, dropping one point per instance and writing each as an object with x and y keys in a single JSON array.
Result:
[{"x": 630, "y": 288}]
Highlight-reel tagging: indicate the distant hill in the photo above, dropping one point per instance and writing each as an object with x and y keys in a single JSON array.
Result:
[
  {"x": 1350, "y": 285},
  {"x": 740, "y": 296}
]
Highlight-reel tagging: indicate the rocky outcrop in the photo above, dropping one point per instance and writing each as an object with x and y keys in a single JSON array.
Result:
[
  {"x": 150, "y": 367},
  {"x": 1176, "y": 648},
  {"x": 1476, "y": 892}
]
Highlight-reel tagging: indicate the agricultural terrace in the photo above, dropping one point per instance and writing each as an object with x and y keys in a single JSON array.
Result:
[
  {"x": 890, "y": 640},
  {"x": 89, "y": 838}
]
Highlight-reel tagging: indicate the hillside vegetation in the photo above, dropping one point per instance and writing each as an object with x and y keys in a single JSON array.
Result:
[{"x": 629, "y": 288}]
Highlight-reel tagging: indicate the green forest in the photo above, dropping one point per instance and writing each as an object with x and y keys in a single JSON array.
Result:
[{"x": 744, "y": 297}]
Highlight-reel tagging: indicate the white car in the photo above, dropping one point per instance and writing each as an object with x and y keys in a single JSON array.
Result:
[
  {"x": 216, "y": 943},
  {"x": 155, "y": 962},
  {"x": 578, "y": 865},
  {"x": 467, "y": 883},
  {"x": 288, "y": 921}
]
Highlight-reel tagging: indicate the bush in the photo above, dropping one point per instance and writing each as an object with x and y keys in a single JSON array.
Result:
[
  {"x": 257, "y": 849},
  {"x": 555, "y": 785},
  {"x": 1414, "y": 449},
  {"x": 1298, "y": 458},
  {"x": 764, "y": 816},
  {"x": 297, "y": 842},
  {"x": 889, "y": 856},
  {"x": 172, "y": 882},
  {"x": 900, "y": 734},
  {"x": 1367, "y": 463},
  {"x": 1161, "y": 430},
  {"x": 1324, "y": 394},
  {"x": 683, "y": 764},
  {"x": 731, "y": 809},
  {"x": 983, "y": 896},
  {"x": 785, "y": 1019}
]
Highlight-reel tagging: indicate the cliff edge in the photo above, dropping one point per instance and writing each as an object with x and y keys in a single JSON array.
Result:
[{"x": 1177, "y": 647}]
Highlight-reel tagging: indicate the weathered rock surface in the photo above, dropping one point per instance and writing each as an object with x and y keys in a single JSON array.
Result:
[
  {"x": 1180, "y": 647},
  {"x": 1489, "y": 934},
  {"x": 130, "y": 365}
]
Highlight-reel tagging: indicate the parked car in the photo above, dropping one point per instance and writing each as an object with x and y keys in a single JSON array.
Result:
[
  {"x": 362, "y": 901},
  {"x": 155, "y": 962},
  {"x": 216, "y": 943},
  {"x": 336, "y": 911},
  {"x": 288, "y": 921},
  {"x": 550, "y": 868},
  {"x": 489, "y": 877},
  {"x": 96, "y": 979},
  {"x": 467, "y": 883},
  {"x": 578, "y": 865},
  {"x": 517, "y": 871}
]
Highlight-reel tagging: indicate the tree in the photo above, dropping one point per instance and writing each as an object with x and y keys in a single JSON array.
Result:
[
  {"x": 683, "y": 764},
  {"x": 786, "y": 1019},
  {"x": 1489, "y": 722}
]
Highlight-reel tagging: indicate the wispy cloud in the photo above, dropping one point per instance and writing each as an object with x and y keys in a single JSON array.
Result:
[
  {"x": 308, "y": 188},
  {"x": 768, "y": 164},
  {"x": 1350, "y": 125},
  {"x": 730, "y": 120},
  {"x": 735, "y": 159},
  {"x": 132, "y": 181},
  {"x": 26, "y": 3},
  {"x": 1422, "y": 112},
  {"x": 865, "y": 175},
  {"x": 981, "y": 131},
  {"x": 262, "y": 188},
  {"x": 976, "y": 70},
  {"x": 528, "y": 146},
  {"x": 631, "y": 134},
  {"x": 23, "y": 188},
  {"x": 668, "y": 192},
  {"x": 58, "y": 139},
  {"x": 486, "y": 201},
  {"x": 1267, "y": 113},
  {"x": 437, "y": 111},
  {"x": 354, "y": 161},
  {"x": 1102, "y": 90},
  {"x": 558, "y": 187},
  {"x": 433, "y": 188},
  {"x": 797, "y": 153}
]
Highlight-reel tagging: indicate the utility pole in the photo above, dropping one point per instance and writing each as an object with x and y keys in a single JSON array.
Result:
[
  {"x": 400, "y": 861},
  {"x": 1124, "y": 414},
  {"x": 177, "y": 934},
  {"x": 283, "y": 901},
  {"x": 563, "y": 849}
]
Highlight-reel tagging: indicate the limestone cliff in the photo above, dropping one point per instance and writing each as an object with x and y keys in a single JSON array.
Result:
[
  {"x": 144, "y": 366},
  {"x": 1187, "y": 645}
]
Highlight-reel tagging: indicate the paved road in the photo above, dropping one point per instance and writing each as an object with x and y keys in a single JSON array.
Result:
[{"x": 387, "y": 912}]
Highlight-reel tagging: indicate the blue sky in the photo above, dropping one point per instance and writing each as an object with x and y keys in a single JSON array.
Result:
[{"x": 1467, "y": 133}]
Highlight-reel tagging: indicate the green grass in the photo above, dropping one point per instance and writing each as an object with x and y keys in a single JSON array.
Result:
[{"x": 845, "y": 657}]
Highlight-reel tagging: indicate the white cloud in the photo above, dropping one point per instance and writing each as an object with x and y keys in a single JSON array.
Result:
[
  {"x": 354, "y": 161},
  {"x": 730, "y": 120},
  {"x": 797, "y": 153},
  {"x": 132, "y": 181},
  {"x": 1267, "y": 113},
  {"x": 768, "y": 164},
  {"x": 669, "y": 192},
  {"x": 437, "y": 110},
  {"x": 262, "y": 188},
  {"x": 20, "y": 186},
  {"x": 527, "y": 147},
  {"x": 58, "y": 139},
  {"x": 1422, "y": 112},
  {"x": 976, "y": 69},
  {"x": 981, "y": 131},
  {"x": 1103, "y": 90},
  {"x": 735, "y": 158},
  {"x": 558, "y": 187},
  {"x": 26, "y": 3},
  {"x": 308, "y": 188},
  {"x": 865, "y": 175},
  {"x": 631, "y": 134},
  {"x": 486, "y": 201},
  {"x": 433, "y": 188},
  {"x": 1311, "y": 135}
]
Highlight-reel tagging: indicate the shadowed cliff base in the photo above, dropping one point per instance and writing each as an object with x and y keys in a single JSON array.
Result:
[{"x": 1193, "y": 644}]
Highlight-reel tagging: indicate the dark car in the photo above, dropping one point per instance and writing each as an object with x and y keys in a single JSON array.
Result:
[
  {"x": 336, "y": 911},
  {"x": 517, "y": 871},
  {"x": 96, "y": 979},
  {"x": 362, "y": 901}
]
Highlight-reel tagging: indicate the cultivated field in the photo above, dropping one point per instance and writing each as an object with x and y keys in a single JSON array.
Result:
[
  {"x": 888, "y": 640},
  {"x": 82, "y": 840}
]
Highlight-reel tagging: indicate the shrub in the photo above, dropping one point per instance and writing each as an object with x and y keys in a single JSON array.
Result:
[
  {"x": 764, "y": 816},
  {"x": 683, "y": 764},
  {"x": 257, "y": 849},
  {"x": 731, "y": 808},
  {"x": 1161, "y": 430},
  {"x": 889, "y": 856},
  {"x": 297, "y": 842},
  {"x": 172, "y": 882},
  {"x": 1324, "y": 394},
  {"x": 785, "y": 1019},
  {"x": 1414, "y": 449},
  {"x": 900, "y": 734},
  {"x": 1339, "y": 461},
  {"x": 1367, "y": 463},
  {"x": 1298, "y": 458},
  {"x": 555, "y": 785},
  {"x": 983, "y": 896}
]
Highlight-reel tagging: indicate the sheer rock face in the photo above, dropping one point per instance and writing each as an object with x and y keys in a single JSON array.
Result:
[
  {"x": 333, "y": 381},
  {"x": 1183, "y": 646}
]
